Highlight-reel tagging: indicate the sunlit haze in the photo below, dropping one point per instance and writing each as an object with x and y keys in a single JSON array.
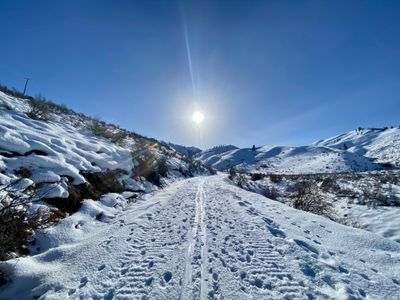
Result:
[{"x": 198, "y": 117}]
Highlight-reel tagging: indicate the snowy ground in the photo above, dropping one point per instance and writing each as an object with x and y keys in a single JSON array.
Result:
[
  {"x": 204, "y": 238},
  {"x": 346, "y": 195},
  {"x": 382, "y": 220}
]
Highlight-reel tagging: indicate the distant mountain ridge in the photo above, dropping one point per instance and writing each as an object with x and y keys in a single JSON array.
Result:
[
  {"x": 183, "y": 150},
  {"x": 357, "y": 150}
]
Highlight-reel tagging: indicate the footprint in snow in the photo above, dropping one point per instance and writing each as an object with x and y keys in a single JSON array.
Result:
[
  {"x": 343, "y": 270},
  {"x": 71, "y": 292},
  {"x": 101, "y": 267},
  {"x": 257, "y": 282},
  {"x": 362, "y": 293},
  {"x": 84, "y": 281},
  {"x": 167, "y": 276},
  {"x": 124, "y": 271},
  {"x": 276, "y": 232},
  {"x": 306, "y": 246},
  {"x": 363, "y": 276}
]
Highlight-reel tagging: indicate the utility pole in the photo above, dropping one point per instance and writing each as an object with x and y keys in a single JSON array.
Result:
[{"x": 26, "y": 84}]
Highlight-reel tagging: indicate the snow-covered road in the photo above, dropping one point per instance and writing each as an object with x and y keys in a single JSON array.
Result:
[{"x": 203, "y": 238}]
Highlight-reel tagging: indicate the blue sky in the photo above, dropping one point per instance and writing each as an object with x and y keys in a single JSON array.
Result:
[{"x": 263, "y": 72}]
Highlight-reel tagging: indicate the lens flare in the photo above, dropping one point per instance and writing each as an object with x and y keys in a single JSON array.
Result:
[{"x": 198, "y": 117}]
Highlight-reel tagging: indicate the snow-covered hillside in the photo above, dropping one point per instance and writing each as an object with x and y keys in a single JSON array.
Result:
[
  {"x": 283, "y": 159},
  {"x": 52, "y": 149},
  {"x": 204, "y": 238},
  {"x": 63, "y": 148},
  {"x": 381, "y": 144}
]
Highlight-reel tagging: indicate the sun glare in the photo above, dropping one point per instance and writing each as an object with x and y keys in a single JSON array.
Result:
[{"x": 198, "y": 117}]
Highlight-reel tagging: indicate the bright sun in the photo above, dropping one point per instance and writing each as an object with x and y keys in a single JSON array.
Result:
[{"x": 198, "y": 117}]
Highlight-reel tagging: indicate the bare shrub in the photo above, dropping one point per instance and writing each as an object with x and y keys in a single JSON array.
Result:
[
  {"x": 105, "y": 182},
  {"x": 97, "y": 184},
  {"x": 118, "y": 137},
  {"x": 153, "y": 167},
  {"x": 3, "y": 278},
  {"x": 17, "y": 224},
  {"x": 24, "y": 173},
  {"x": 12, "y": 92},
  {"x": 62, "y": 109},
  {"x": 275, "y": 178},
  {"x": 375, "y": 195},
  {"x": 270, "y": 192},
  {"x": 77, "y": 122},
  {"x": 346, "y": 193},
  {"x": 98, "y": 128},
  {"x": 242, "y": 181},
  {"x": 232, "y": 173},
  {"x": 153, "y": 170},
  {"x": 349, "y": 221},
  {"x": 211, "y": 170},
  {"x": 329, "y": 184},
  {"x": 40, "y": 109},
  {"x": 256, "y": 176},
  {"x": 162, "y": 167},
  {"x": 309, "y": 198}
]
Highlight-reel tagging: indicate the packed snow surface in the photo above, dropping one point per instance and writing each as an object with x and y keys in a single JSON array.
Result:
[{"x": 203, "y": 238}]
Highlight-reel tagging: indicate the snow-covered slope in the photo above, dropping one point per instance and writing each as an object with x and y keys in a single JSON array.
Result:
[
  {"x": 204, "y": 238},
  {"x": 62, "y": 149},
  {"x": 53, "y": 149},
  {"x": 382, "y": 144},
  {"x": 283, "y": 159}
]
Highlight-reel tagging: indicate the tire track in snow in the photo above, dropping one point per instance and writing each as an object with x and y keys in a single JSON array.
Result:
[
  {"x": 204, "y": 246},
  {"x": 246, "y": 261},
  {"x": 150, "y": 267},
  {"x": 194, "y": 281}
]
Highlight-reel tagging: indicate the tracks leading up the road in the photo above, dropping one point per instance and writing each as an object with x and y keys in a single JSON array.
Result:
[{"x": 206, "y": 239}]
